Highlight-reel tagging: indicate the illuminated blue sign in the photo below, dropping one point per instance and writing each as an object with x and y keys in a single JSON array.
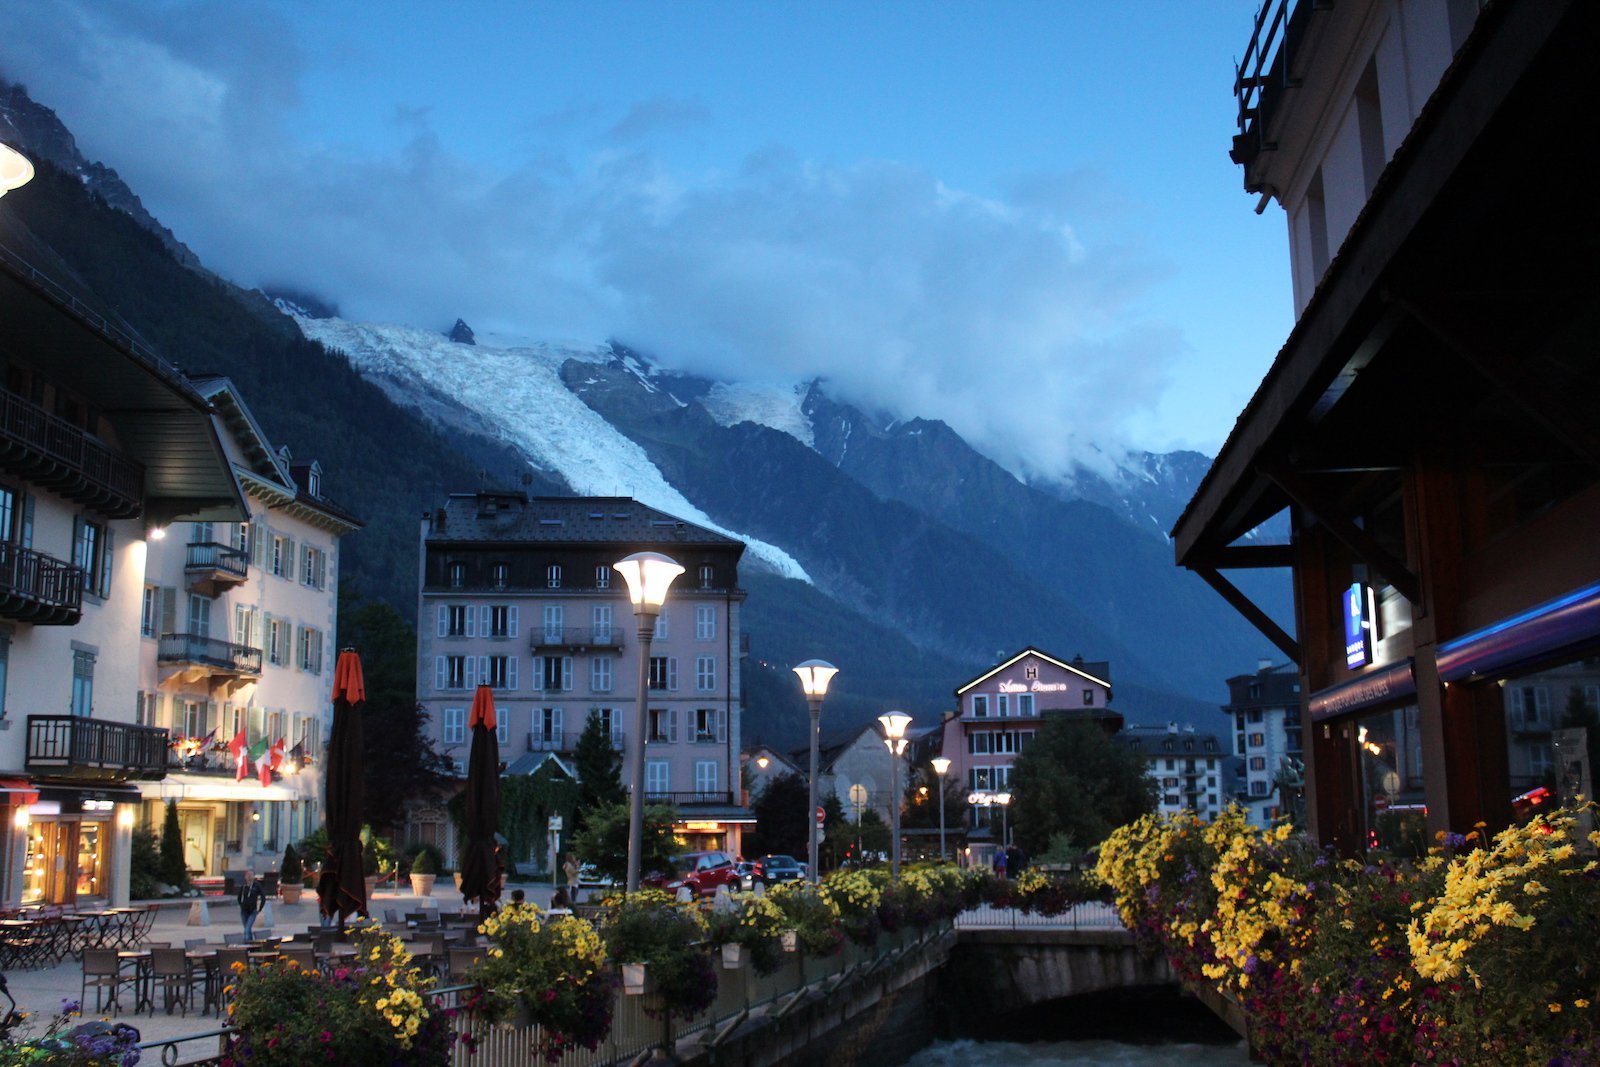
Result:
[{"x": 1357, "y": 627}]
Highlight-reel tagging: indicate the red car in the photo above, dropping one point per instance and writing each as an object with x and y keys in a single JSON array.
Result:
[{"x": 704, "y": 871}]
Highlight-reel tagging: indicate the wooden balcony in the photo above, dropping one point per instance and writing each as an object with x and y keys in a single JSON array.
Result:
[
  {"x": 198, "y": 657},
  {"x": 68, "y": 746},
  {"x": 54, "y": 453},
  {"x": 577, "y": 639},
  {"x": 39, "y": 589},
  {"x": 212, "y": 568}
]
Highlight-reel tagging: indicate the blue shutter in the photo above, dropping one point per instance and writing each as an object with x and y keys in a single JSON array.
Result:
[
  {"x": 441, "y": 673},
  {"x": 511, "y": 621},
  {"x": 511, "y": 672},
  {"x": 566, "y": 674},
  {"x": 444, "y": 621}
]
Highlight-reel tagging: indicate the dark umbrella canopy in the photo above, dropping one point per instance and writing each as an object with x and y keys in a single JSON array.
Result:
[
  {"x": 342, "y": 890},
  {"x": 480, "y": 873}
]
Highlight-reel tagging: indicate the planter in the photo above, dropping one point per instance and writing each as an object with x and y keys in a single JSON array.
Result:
[
  {"x": 372, "y": 886},
  {"x": 636, "y": 979},
  {"x": 422, "y": 884},
  {"x": 733, "y": 956},
  {"x": 791, "y": 941},
  {"x": 458, "y": 881},
  {"x": 291, "y": 892}
]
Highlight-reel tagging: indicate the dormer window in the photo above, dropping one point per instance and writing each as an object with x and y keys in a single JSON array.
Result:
[
  {"x": 314, "y": 480},
  {"x": 552, "y": 576},
  {"x": 458, "y": 575},
  {"x": 706, "y": 574},
  {"x": 602, "y": 576},
  {"x": 500, "y": 574}
]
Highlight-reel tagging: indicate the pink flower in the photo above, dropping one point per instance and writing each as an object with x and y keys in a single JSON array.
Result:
[{"x": 327, "y": 1036}]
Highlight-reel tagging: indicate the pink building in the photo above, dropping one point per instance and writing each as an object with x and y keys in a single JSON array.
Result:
[{"x": 999, "y": 711}]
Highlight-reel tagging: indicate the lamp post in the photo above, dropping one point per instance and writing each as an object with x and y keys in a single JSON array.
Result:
[
  {"x": 894, "y": 736},
  {"x": 15, "y": 169},
  {"x": 648, "y": 575},
  {"x": 815, "y": 674},
  {"x": 1004, "y": 800},
  {"x": 940, "y": 766}
]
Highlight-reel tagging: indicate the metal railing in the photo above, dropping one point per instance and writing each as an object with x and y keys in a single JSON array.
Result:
[
  {"x": 210, "y": 651},
  {"x": 1091, "y": 915},
  {"x": 577, "y": 637},
  {"x": 70, "y": 744},
  {"x": 1263, "y": 74},
  {"x": 546, "y": 741},
  {"x": 39, "y": 588},
  {"x": 56, "y": 453},
  {"x": 211, "y": 557},
  {"x": 711, "y": 797}
]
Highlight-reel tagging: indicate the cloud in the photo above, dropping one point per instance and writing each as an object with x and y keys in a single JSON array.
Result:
[{"x": 996, "y": 314}]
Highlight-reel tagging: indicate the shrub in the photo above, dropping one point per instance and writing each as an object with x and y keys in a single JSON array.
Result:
[
  {"x": 554, "y": 969},
  {"x": 174, "y": 871},
  {"x": 424, "y": 864},
  {"x": 811, "y": 915},
  {"x": 646, "y": 927},
  {"x": 144, "y": 865},
  {"x": 754, "y": 922},
  {"x": 291, "y": 870}
]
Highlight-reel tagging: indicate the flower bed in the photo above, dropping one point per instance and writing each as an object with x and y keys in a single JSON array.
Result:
[{"x": 1475, "y": 955}]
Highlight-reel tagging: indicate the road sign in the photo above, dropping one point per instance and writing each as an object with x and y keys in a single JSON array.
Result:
[
  {"x": 555, "y": 822},
  {"x": 822, "y": 815}
]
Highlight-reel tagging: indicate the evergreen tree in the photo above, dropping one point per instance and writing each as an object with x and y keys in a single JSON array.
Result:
[
  {"x": 604, "y": 841},
  {"x": 173, "y": 869},
  {"x": 1074, "y": 780},
  {"x": 783, "y": 815},
  {"x": 599, "y": 768}
]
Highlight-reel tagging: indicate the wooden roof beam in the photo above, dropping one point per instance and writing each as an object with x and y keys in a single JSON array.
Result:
[
  {"x": 1357, "y": 540},
  {"x": 1253, "y": 614}
]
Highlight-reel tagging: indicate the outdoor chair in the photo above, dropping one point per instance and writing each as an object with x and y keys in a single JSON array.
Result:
[
  {"x": 103, "y": 973},
  {"x": 177, "y": 976},
  {"x": 226, "y": 974},
  {"x": 302, "y": 953},
  {"x": 194, "y": 943},
  {"x": 461, "y": 960},
  {"x": 145, "y": 921},
  {"x": 233, "y": 939},
  {"x": 391, "y": 915}
]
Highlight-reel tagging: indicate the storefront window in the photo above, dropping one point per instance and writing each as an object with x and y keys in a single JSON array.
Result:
[
  {"x": 1390, "y": 744},
  {"x": 91, "y": 844},
  {"x": 1552, "y": 716}
]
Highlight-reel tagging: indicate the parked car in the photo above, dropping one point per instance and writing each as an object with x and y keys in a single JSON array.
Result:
[
  {"x": 747, "y": 874},
  {"x": 703, "y": 872},
  {"x": 770, "y": 869},
  {"x": 590, "y": 878}
]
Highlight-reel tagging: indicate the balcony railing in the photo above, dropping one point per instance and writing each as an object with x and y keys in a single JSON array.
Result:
[
  {"x": 1263, "y": 75},
  {"x": 38, "y": 588},
  {"x": 54, "y": 453},
  {"x": 578, "y": 638},
  {"x": 547, "y": 741},
  {"x": 222, "y": 656},
  {"x": 70, "y": 746},
  {"x": 211, "y": 568},
  {"x": 712, "y": 797}
]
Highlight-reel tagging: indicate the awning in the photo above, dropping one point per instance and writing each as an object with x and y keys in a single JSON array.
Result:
[
  {"x": 1540, "y": 634},
  {"x": 18, "y": 791},
  {"x": 1372, "y": 688},
  {"x": 207, "y": 787},
  {"x": 72, "y": 797},
  {"x": 727, "y": 814}
]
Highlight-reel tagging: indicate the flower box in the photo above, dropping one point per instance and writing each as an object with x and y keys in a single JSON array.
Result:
[
  {"x": 635, "y": 978},
  {"x": 733, "y": 956},
  {"x": 791, "y": 941}
]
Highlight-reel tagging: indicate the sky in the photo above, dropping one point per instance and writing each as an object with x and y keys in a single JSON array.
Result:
[{"x": 1017, "y": 216}]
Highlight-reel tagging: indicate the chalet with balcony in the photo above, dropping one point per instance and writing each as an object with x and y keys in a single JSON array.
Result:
[{"x": 101, "y": 442}]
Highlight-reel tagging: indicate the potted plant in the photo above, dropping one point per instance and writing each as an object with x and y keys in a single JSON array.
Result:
[
  {"x": 810, "y": 917},
  {"x": 423, "y": 872},
  {"x": 291, "y": 876},
  {"x": 659, "y": 944},
  {"x": 749, "y": 926},
  {"x": 550, "y": 972}
]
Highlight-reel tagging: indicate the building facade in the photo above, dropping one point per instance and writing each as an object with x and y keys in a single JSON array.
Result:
[
  {"x": 1428, "y": 423},
  {"x": 237, "y": 643},
  {"x": 1188, "y": 767},
  {"x": 519, "y": 594},
  {"x": 101, "y": 442},
  {"x": 1264, "y": 712}
]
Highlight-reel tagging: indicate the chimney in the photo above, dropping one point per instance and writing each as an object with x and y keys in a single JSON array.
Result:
[
  {"x": 1263, "y": 666},
  {"x": 1172, "y": 727},
  {"x": 1188, "y": 727}
]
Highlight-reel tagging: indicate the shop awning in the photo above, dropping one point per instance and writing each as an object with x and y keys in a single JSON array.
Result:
[
  {"x": 726, "y": 814},
  {"x": 207, "y": 787},
  {"x": 1547, "y": 631},
  {"x": 1372, "y": 688},
  {"x": 18, "y": 791}
]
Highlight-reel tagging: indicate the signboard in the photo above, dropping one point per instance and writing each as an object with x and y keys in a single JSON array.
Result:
[
  {"x": 1357, "y": 627},
  {"x": 555, "y": 823},
  {"x": 822, "y": 815}
]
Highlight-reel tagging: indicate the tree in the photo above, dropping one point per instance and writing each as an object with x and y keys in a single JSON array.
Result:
[
  {"x": 783, "y": 815},
  {"x": 604, "y": 840},
  {"x": 599, "y": 767},
  {"x": 401, "y": 763},
  {"x": 174, "y": 871},
  {"x": 1074, "y": 780}
]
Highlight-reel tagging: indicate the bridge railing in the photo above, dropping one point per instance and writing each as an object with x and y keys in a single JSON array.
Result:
[{"x": 1092, "y": 915}]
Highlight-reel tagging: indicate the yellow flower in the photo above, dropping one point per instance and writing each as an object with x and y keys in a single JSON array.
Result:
[{"x": 1555, "y": 1009}]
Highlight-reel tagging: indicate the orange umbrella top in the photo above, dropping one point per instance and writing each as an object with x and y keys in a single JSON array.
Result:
[
  {"x": 347, "y": 678},
  {"x": 482, "y": 708}
]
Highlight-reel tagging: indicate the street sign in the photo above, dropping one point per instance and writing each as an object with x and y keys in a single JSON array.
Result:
[
  {"x": 822, "y": 815},
  {"x": 555, "y": 823}
]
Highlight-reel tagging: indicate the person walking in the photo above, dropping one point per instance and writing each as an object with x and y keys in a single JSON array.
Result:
[
  {"x": 573, "y": 870},
  {"x": 251, "y": 901},
  {"x": 1000, "y": 863}
]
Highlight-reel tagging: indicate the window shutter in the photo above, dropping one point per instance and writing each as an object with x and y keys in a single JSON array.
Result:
[
  {"x": 483, "y": 669},
  {"x": 472, "y": 622},
  {"x": 566, "y": 674},
  {"x": 169, "y": 610},
  {"x": 316, "y": 639},
  {"x": 26, "y": 537},
  {"x": 616, "y": 728},
  {"x": 77, "y": 543},
  {"x": 511, "y": 621},
  {"x": 441, "y": 676},
  {"x": 322, "y": 570},
  {"x": 511, "y": 672},
  {"x": 471, "y": 667},
  {"x": 556, "y": 731},
  {"x": 258, "y": 543},
  {"x": 672, "y": 674},
  {"x": 722, "y": 725},
  {"x": 485, "y": 627},
  {"x": 444, "y": 621},
  {"x": 538, "y": 726},
  {"x": 288, "y": 558},
  {"x": 107, "y": 553},
  {"x": 672, "y": 724}
]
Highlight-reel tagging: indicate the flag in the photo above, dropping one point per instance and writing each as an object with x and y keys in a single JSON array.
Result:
[
  {"x": 297, "y": 754},
  {"x": 237, "y": 746},
  {"x": 269, "y": 762}
]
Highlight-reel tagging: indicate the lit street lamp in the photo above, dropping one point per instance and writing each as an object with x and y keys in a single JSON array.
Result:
[
  {"x": 15, "y": 169},
  {"x": 894, "y": 736},
  {"x": 940, "y": 766},
  {"x": 648, "y": 575},
  {"x": 1004, "y": 800},
  {"x": 815, "y": 674}
]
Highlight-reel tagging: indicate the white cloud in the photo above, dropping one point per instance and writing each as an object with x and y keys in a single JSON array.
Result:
[{"x": 995, "y": 315}]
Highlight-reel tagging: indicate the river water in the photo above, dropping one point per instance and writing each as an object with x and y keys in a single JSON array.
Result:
[{"x": 965, "y": 1053}]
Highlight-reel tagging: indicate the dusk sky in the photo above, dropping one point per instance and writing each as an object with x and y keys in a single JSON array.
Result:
[{"x": 1018, "y": 217}]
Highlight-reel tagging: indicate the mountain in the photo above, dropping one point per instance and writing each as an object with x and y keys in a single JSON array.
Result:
[{"x": 892, "y": 548}]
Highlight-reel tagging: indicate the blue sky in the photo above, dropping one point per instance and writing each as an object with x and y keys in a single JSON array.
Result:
[{"x": 1015, "y": 216}]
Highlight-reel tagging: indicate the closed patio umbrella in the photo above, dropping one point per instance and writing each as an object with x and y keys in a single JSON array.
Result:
[
  {"x": 480, "y": 873},
  {"x": 342, "y": 890}
]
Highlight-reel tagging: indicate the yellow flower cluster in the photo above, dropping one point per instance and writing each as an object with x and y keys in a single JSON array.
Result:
[
  {"x": 852, "y": 892},
  {"x": 1256, "y": 906},
  {"x": 394, "y": 985},
  {"x": 759, "y": 916}
]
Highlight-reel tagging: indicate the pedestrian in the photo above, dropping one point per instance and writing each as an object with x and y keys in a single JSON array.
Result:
[
  {"x": 1017, "y": 861},
  {"x": 999, "y": 863},
  {"x": 573, "y": 870},
  {"x": 518, "y": 897},
  {"x": 251, "y": 901}
]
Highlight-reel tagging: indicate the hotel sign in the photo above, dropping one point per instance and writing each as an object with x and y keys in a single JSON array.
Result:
[{"x": 1034, "y": 686}]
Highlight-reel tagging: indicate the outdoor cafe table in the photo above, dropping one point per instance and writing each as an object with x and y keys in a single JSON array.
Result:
[
  {"x": 206, "y": 959},
  {"x": 139, "y": 959}
]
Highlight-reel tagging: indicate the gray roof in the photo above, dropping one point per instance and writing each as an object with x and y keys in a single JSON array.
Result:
[{"x": 510, "y": 516}]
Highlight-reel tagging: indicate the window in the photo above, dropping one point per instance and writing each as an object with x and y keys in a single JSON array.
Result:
[
  {"x": 241, "y": 538},
  {"x": 499, "y": 575},
  {"x": 457, "y": 575},
  {"x": 663, "y": 725},
  {"x": 280, "y": 556},
  {"x": 199, "y": 616},
  {"x": 705, "y": 673},
  {"x": 610, "y": 722},
  {"x": 600, "y": 617},
  {"x": 705, "y": 724},
  {"x": 1258, "y": 788},
  {"x": 82, "y": 682},
  {"x": 311, "y": 650},
  {"x": 1002, "y": 705},
  {"x": 194, "y": 719},
  {"x": 705, "y": 622},
  {"x": 150, "y": 612},
  {"x": 555, "y": 673},
  {"x": 313, "y": 567},
  {"x": 455, "y": 672},
  {"x": 663, "y": 628},
  {"x": 664, "y": 673},
  {"x": 547, "y": 729},
  {"x": 145, "y": 708},
  {"x": 86, "y": 552},
  {"x": 1253, "y": 715},
  {"x": 246, "y": 626},
  {"x": 1025, "y": 705},
  {"x": 706, "y": 575},
  {"x": 552, "y": 576},
  {"x": 555, "y": 621},
  {"x": 656, "y": 781},
  {"x": 600, "y": 674},
  {"x": 1257, "y": 740},
  {"x": 705, "y": 776},
  {"x": 980, "y": 742},
  {"x": 980, "y": 705},
  {"x": 502, "y": 672},
  {"x": 1088, "y": 698},
  {"x": 980, "y": 777},
  {"x": 5, "y": 665},
  {"x": 456, "y": 616},
  {"x": 502, "y": 621},
  {"x": 8, "y": 513},
  {"x": 1258, "y": 763},
  {"x": 602, "y": 576},
  {"x": 277, "y": 643},
  {"x": 1539, "y": 763},
  {"x": 455, "y": 725}
]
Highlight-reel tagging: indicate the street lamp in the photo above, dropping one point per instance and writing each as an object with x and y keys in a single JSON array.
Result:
[
  {"x": 648, "y": 575},
  {"x": 15, "y": 169},
  {"x": 815, "y": 674},
  {"x": 894, "y": 736},
  {"x": 940, "y": 766},
  {"x": 1004, "y": 800}
]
